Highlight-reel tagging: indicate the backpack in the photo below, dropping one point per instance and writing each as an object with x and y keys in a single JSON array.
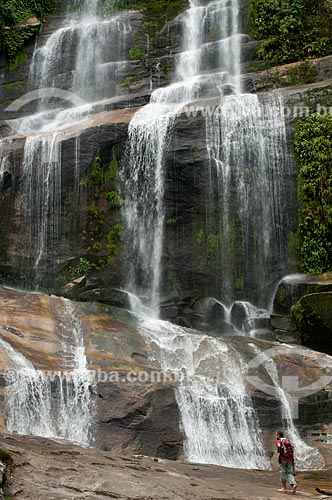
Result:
[{"x": 286, "y": 448}]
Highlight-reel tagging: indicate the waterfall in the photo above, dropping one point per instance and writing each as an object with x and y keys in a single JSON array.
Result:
[
  {"x": 41, "y": 181},
  {"x": 82, "y": 62},
  {"x": 306, "y": 457},
  {"x": 93, "y": 58},
  {"x": 52, "y": 404},
  {"x": 2, "y": 162},
  {"x": 143, "y": 174},
  {"x": 189, "y": 60},
  {"x": 246, "y": 144},
  {"x": 246, "y": 141},
  {"x": 217, "y": 414},
  {"x": 149, "y": 133}
]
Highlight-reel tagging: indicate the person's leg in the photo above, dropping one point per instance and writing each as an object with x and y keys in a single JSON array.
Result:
[
  {"x": 283, "y": 475},
  {"x": 290, "y": 477}
]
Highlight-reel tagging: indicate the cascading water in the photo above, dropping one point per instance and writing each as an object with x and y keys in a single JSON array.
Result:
[
  {"x": 83, "y": 62},
  {"x": 218, "y": 417},
  {"x": 144, "y": 208},
  {"x": 307, "y": 457},
  {"x": 2, "y": 163},
  {"x": 143, "y": 175},
  {"x": 52, "y": 404},
  {"x": 43, "y": 200},
  {"x": 247, "y": 142},
  {"x": 246, "y": 147}
]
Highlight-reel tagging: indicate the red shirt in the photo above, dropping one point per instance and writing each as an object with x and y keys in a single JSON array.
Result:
[{"x": 281, "y": 457}]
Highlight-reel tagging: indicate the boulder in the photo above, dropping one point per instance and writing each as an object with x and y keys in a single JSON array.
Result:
[
  {"x": 246, "y": 317},
  {"x": 111, "y": 296},
  {"x": 293, "y": 287},
  {"x": 216, "y": 314},
  {"x": 208, "y": 314},
  {"x": 225, "y": 328},
  {"x": 287, "y": 337},
  {"x": 313, "y": 318},
  {"x": 72, "y": 289},
  {"x": 281, "y": 322}
]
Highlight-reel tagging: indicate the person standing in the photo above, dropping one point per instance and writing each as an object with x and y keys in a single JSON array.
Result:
[{"x": 286, "y": 462}]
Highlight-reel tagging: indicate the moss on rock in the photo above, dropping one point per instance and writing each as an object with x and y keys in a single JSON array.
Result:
[{"x": 313, "y": 317}]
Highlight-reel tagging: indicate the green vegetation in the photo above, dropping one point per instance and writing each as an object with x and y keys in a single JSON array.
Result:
[
  {"x": 299, "y": 74},
  {"x": 11, "y": 85},
  {"x": 7, "y": 460},
  {"x": 17, "y": 61},
  {"x": 136, "y": 53},
  {"x": 103, "y": 232},
  {"x": 312, "y": 315},
  {"x": 212, "y": 244},
  {"x": 157, "y": 12},
  {"x": 313, "y": 146},
  {"x": 127, "y": 82},
  {"x": 14, "y": 13},
  {"x": 82, "y": 268},
  {"x": 291, "y": 30}
]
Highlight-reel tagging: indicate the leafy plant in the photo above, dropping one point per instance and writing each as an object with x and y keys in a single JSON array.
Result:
[
  {"x": 15, "y": 12},
  {"x": 82, "y": 268},
  {"x": 313, "y": 146},
  {"x": 102, "y": 235},
  {"x": 291, "y": 30},
  {"x": 136, "y": 53}
]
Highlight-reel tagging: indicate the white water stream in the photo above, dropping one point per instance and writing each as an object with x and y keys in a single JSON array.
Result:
[
  {"x": 306, "y": 457},
  {"x": 52, "y": 404},
  {"x": 150, "y": 131},
  {"x": 79, "y": 64},
  {"x": 219, "y": 421},
  {"x": 246, "y": 140},
  {"x": 246, "y": 146}
]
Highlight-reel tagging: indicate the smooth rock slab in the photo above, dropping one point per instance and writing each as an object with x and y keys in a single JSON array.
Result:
[{"x": 52, "y": 470}]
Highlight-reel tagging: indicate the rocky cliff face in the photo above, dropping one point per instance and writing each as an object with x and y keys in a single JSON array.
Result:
[
  {"x": 140, "y": 417},
  {"x": 192, "y": 257}
]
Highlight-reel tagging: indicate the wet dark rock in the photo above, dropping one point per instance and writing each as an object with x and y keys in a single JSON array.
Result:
[
  {"x": 239, "y": 315},
  {"x": 285, "y": 329},
  {"x": 216, "y": 314},
  {"x": 72, "y": 289},
  {"x": 53, "y": 470},
  {"x": 140, "y": 418},
  {"x": 313, "y": 318},
  {"x": 225, "y": 328},
  {"x": 209, "y": 314},
  {"x": 287, "y": 337},
  {"x": 169, "y": 312},
  {"x": 263, "y": 334},
  {"x": 111, "y": 296},
  {"x": 281, "y": 322},
  {"x": 293, "y": 287}
]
